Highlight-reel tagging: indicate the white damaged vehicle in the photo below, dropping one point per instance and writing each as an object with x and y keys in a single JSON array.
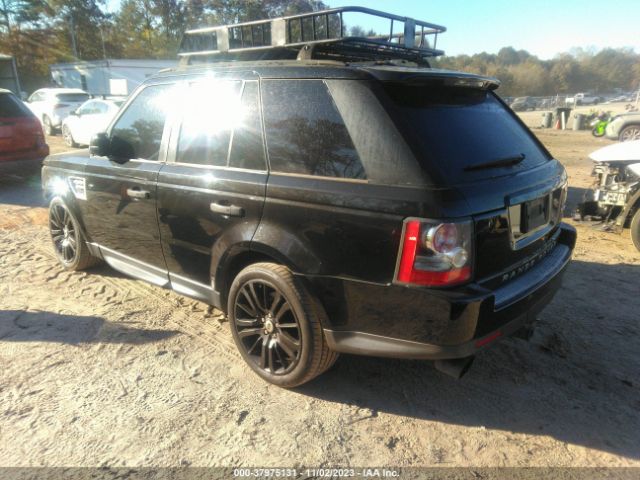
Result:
[{"x": 615, "y": 193}]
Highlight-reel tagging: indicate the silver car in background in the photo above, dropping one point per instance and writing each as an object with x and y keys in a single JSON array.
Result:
[{"x": 52, "y": 105}]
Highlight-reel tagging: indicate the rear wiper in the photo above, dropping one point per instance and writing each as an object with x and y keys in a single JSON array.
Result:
[{"x": 502, "y": 162}]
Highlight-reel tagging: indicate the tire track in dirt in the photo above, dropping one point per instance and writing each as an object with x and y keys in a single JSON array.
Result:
[{"x": 189, "y": 316}]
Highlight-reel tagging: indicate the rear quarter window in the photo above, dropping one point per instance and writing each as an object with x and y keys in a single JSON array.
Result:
[
  {"x": 454, "y": 128},
  {"x": 305, "y": 132},
  {"x": 72, "y": 97}
]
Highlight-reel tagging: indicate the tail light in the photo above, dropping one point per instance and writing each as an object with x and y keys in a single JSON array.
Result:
[{"x": 435, "y": 254}]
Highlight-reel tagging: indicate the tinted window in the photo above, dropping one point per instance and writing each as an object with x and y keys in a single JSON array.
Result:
[
  {"x": 72, "y": 97},
  {"x": 305, "y": 133},
  {"x": 211, "y": 111},
  {"x": 247, "y": 150},
  {"x": 11, "y": 106},
  {"x": 455, "y": 128},
  {"x": 138, "y": 131}
]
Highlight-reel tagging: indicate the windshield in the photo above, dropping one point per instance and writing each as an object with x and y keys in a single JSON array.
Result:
[
  {"x": 12, "y": 107},
  {"x": 72, "y": 97},
  {"x": 456, "y": 128}
]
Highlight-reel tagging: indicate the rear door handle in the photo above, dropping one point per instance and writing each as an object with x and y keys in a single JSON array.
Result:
[
  {"x": 137, "y": 193},
  {"x": 229, "y": 210}
]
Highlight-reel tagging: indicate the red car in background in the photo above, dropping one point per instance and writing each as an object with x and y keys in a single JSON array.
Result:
[{"x": 22, "y": 142}]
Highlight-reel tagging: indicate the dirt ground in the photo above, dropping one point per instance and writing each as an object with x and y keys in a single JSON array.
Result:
[{"x": 101, "y": 370}]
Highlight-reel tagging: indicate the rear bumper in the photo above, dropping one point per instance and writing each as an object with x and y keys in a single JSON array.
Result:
[
  {"x": 36, "y": 155},
  {"x": 489, "y": 316}
]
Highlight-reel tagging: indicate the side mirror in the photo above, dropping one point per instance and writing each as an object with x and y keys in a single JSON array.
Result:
[
  {"x": 115, "y": 148},
  {"x": 100, "y": 145},
  {"x": 74, "y": 113}
]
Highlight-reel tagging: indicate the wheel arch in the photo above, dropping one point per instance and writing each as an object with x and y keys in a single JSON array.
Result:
[
  {"x": 632, "y": 123},
  {"x": 69, "y": 202},
  {"x": 239, "y": 257}
]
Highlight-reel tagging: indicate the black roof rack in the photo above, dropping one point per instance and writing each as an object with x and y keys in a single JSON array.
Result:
[{"x": 316, "y": 35}]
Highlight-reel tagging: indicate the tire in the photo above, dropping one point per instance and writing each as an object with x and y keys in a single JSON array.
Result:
[
  {"x": 597, "y": 133},
  {"x": 69, "y": 246},
  {"x": 280, "y": 336},
  {"x": 632, "y": 132},
  {"x": 47, "y": 126},
  {"x": 635, "y": 229},
  {"x": 68, "y": 137}
]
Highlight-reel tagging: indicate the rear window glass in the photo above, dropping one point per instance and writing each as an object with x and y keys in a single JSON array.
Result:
[
  {"x": 11, "y": 106},
  {"x": 72, "y": 97},
  {"x": 305, "y": 132},
  {"x": 457, "y": 128}
]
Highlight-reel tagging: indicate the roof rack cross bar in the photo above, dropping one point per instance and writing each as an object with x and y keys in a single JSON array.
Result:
[{"x": 282, "y": 37}]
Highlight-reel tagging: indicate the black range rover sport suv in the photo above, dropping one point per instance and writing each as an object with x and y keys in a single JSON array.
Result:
[{"x": 325, "y": 206}]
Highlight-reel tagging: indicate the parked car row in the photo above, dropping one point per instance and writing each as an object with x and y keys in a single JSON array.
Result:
[
  {"x": 73, "y": 112},
  {"x": 522, "y": 104}
]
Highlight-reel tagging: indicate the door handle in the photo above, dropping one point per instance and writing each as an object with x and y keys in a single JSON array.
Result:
[
  {"x": 137, "y": 193},
  {"x": 229, "y": 210}
]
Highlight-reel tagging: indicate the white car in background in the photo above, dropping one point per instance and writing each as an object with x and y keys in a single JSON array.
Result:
[
  {"x": 90, "y": 118},
  {"x": 52, "y": 105}
]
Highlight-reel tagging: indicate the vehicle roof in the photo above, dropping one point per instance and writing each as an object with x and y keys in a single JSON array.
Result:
[
  {"x": 106, "y": 100},
  {"x": 322, "y": 69},
  {"x": 61, "y": 90}
]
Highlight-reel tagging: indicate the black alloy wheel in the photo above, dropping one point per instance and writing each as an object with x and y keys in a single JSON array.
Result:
[
  {"x": 68, "y": 243},
  {"x": 277, "y": 325},
  {"x": 64, "y": 233},
  {"x": 267, "y": 327}
]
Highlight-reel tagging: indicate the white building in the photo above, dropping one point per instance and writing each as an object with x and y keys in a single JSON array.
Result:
[{"x": 107, "y": 77}]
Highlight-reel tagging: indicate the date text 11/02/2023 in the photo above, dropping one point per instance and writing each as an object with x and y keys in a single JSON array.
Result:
[{"x": 316, "y": 473}]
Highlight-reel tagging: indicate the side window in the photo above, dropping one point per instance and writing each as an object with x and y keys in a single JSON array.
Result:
[
  {"x": 247, "y": 149},
  {"x": 100, "y": 107},
  {"x": 211, "y": 110},
  {"x": 87, "y": 109},
  {"x": 305, "y": 132},
  {"x": 138, "y": 131}
]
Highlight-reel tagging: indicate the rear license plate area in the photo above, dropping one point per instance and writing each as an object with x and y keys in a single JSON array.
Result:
[
  {"x": 534, "y": 214},
  {"x": 528, "y": 218}
]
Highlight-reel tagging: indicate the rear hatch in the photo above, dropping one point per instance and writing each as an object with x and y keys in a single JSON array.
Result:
[
  {"x": 65, "y": 103},
  {"x": 20, "y": 130},
  {"x": 466, "y": 139}
]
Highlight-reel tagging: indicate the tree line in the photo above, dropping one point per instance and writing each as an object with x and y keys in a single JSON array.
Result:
[
  {"x": 38, "y": 33},
  {"x": 42, "y": 32},
  {"x": 580, "y": 70}
]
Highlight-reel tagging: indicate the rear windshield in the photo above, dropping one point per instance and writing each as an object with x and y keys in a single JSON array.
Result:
[
  {"x": 72, "y": 97},
  {"x": 11, "y": 106},
  {"x": 457, "y": 128}
]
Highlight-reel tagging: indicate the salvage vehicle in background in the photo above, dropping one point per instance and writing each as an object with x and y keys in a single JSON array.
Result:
[
  {"x": 52, "y": 105},
  {"x": 615, "y": 194},
  {"x": 583, "y": 99},
  {"x": 21, "y": 138},
  {"x": 91, "y": 117},
  {"x": 624, "y": 127},
  {"x": 327, "y": 200},
  {"x": 523, "y": 104}
]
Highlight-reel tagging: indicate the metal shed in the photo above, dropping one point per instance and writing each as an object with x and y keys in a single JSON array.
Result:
[{"x": 107, "y": 77}]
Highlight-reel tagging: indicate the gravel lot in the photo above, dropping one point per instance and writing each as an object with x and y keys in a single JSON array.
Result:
[{"x": 100, "y": 370}]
